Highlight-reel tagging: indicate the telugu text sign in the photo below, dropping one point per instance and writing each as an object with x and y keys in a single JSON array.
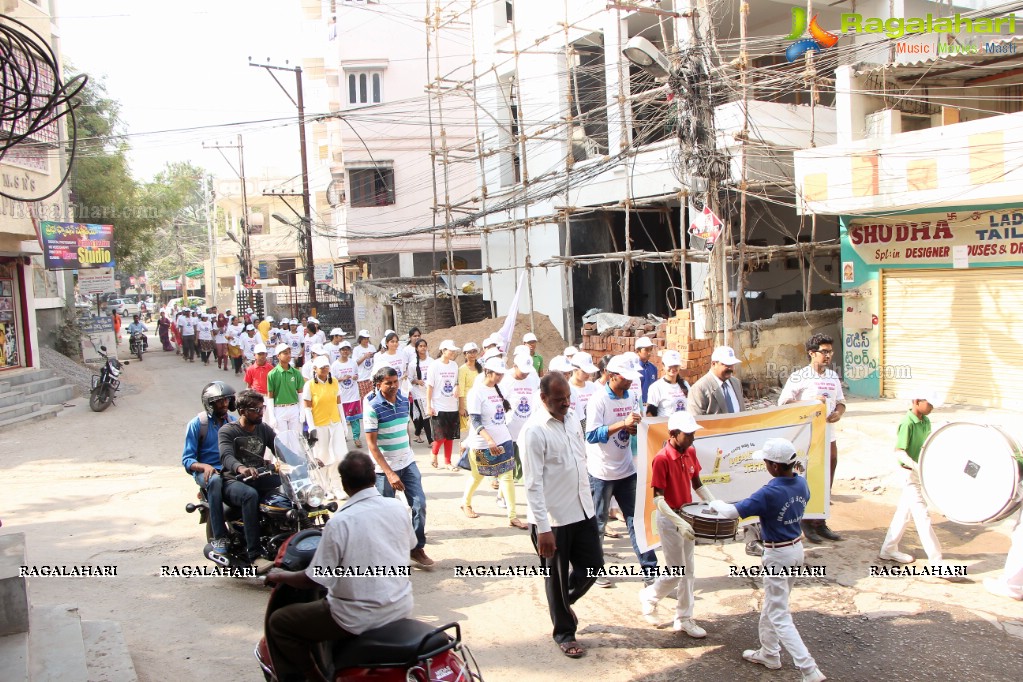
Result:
[
  {"x": 77, "y": 246},
  {"x": 725, "y": 447},
  {"x": 96, "y": 281},
  {"x": 957, "y": 238},
  {"x": 97, "y": 331}
]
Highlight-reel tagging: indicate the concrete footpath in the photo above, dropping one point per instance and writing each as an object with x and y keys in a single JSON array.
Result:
[{"x": 109, "y": 489}]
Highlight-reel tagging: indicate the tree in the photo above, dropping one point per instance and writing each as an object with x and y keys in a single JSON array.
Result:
[{"x": 176, "y": 193}]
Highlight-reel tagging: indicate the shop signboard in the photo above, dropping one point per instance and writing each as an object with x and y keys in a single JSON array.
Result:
[{"x": 77, "y": 246}]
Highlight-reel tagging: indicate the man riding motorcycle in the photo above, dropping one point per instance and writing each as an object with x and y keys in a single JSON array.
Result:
[
  {"x": 370, "y": 533},
  {"x": 201, "y": 456},
  {"x": 242, "y": 445},
  {"x": 137, "y": 327}
]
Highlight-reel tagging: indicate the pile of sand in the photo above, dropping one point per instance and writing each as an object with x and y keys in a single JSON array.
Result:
[{"x": 549, "y": 341}]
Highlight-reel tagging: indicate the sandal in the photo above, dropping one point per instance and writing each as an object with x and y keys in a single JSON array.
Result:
[
  {"x": 419, "y": 439},
  {"x": 469, "y": 512},
  {"x": 434, "y": 462},
  {"x": 495, "y": 485},
  {"x": 572, "y": 649},
  {"x": 357, "y": 443},
  {"x": 612, "y": 534},
  {"x": 516, "y": 523},
  {"x": 453, "y": 467}
]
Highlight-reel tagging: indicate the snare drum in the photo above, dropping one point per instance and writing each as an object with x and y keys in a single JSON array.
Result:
[
  {"x": 971, "y": 473},
  {"x": 707, "y": 523}
]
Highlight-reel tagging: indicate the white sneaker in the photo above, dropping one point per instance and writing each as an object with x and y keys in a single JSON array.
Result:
[
  {"x": 763, "y": 658},
  {"x": 501, "y": 503},
  {"x": 896, "y": 556},
  {"x": 648, "y": 604},
  {"x": 689, "y": 627},
  {"x": 814, "y": 675},
  {"x": 1000, "y": 588}
]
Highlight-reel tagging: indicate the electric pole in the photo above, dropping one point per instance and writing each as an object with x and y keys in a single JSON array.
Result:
[
  {"x": 244, "y": 244},
  {"x": 306, "y": 218}
]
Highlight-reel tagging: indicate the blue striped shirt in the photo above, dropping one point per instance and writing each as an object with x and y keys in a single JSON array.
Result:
[{"x": 390, "y": 422}]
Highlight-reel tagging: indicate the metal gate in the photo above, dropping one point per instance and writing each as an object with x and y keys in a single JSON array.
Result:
[{"x": 333, "y": 308}]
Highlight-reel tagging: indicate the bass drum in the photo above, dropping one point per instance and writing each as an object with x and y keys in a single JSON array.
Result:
[{"x": 971, "y": 473}]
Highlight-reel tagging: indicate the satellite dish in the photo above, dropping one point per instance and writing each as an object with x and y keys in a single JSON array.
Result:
[{"x": 335, "y": 193}]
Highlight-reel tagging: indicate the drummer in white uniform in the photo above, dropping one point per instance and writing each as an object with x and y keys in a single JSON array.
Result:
[{"x": 676, "y": 474}]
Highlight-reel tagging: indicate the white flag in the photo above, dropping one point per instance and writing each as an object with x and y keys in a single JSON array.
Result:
[{"x": 513, "y": 313}]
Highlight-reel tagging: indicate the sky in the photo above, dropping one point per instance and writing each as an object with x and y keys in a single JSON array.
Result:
[{"x": 184, "y": 65}]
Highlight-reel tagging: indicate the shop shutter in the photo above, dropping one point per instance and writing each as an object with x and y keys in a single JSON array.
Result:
[{"x": 958, "y": 331}]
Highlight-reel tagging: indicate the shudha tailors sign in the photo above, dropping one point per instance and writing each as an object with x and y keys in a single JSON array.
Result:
[
  {"x": 73, "y": 246},
  {"x": 958, "y": 239}
]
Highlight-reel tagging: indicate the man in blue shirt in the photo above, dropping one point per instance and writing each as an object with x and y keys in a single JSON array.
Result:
[
  {"x": 201, "y": 456},
  {"x": 647, "y": 369},
  {"x": 780, "y": 505},
  {"x": 137, "y": 327}
]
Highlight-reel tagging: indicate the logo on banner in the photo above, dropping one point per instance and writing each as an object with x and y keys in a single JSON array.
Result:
[
  {"x": 704, "y": 224},
  {"x": 819, "y": 38}
]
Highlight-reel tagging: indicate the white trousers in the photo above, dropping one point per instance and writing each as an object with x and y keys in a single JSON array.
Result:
[
  {"x": 776, "y": 626},
  {"x": 287, "y": 418},
  {"x": 330, "y": 448},
  {"x": 677, "y": 552},
  {"x": 912, "y": 505},
  {"x": 1012, "y": 576}
]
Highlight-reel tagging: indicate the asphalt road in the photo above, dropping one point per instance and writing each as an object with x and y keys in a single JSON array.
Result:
[{"x": 108, "y": 488}]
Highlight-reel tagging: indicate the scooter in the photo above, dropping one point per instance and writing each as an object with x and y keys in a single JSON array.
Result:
[
  {"x": 403, "y": 651},
  {"x": 106, "y": 383},
  {"x": 298, "y": 504}
]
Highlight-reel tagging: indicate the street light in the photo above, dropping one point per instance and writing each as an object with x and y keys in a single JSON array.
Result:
[{"x": 646, "y": 56}]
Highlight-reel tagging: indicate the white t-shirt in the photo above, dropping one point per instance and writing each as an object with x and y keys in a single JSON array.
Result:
[
  {"x": 364, "y": 359},
  {"x": 443, "y": 377},
  {"x": 205, "y": 330},
  {"x": 235, "y": 332},
  {"x": 418, "y": 392},
  {"x": 668, "y": 398},
  {"x": 317, "y": 338},
  {"x": 581, "y": 397},
  {"x": 187, "y": 325},
  {"x": 333, "y": 352},
  {"x": 806, "y": 384},
  {"x": 610, "y": 461},
  {"x": 220, "y": 335},
  {"x": 484, "y": 401},
  {"x": 347, "y": 375},
  {"x": 524, "y": 396},
  {"x": 295, "y": 342},
  {"x": 398, "y": 361},
  {"x": 249, "y": 345}
]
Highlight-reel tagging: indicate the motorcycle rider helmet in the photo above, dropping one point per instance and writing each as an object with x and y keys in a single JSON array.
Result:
[{"x": 215, "y": 391}]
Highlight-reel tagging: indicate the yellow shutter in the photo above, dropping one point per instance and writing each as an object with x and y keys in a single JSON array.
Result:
[{"x": 959, "y": 332}]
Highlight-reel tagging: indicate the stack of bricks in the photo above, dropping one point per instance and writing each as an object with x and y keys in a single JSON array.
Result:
[{"x": 672, "y": 334}]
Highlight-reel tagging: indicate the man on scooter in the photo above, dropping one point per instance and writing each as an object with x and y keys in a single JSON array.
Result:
[
  {"x": 242, "y": 444},
  {"x": 371, "y": 536},
  {"x": 201, "y": 457}
]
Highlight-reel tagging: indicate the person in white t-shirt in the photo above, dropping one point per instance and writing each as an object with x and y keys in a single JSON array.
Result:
[
  {"x": 315, "y": 351},
  {"x": 248, "y": 342},
  {"x": 346, "y": 372},
  {"x": 220, "y": 344},
  {"x": 363, "y": 354},
  {"x": 817, "y": 381},
  {"x": 670, "y": 393},
  {"x": 418, "y": 369},
  {"x": 491, "y": 451},
  {"x": 442, "y": 401},
  {"x": 393, "y": 357},
  {"x": 582, "y": 388},
  {"x": 314, "y": 335},
  {"x": 521, "y": 386},
  {"x": 409, "y": 349},
  {"x": 296, "y": 341},
  {"x": 186, "y": 325},
  {"x": 204, "y": 336},
  {"x": 333, "y": 349}
]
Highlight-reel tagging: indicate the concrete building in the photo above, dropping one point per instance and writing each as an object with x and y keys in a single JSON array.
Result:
[
  {"x": 369, "y": 59},
  {"x": 31, "y": 297},
  {"x": 925, "y": 179}
]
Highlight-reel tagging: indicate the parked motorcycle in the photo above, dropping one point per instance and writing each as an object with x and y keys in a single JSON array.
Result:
[
  {"x": 299, "y": 503},
  {"x": 403, "y": 651},
  {"x": 106, "y": 383},
  {"x": 137, "y": 344}
]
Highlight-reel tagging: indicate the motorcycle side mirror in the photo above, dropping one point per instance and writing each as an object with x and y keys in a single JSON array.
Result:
[{"x": 103, "y": 348}]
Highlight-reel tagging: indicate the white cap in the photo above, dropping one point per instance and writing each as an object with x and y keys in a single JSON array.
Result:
[
  {"x": 280, "y": 348},
  {"x": 470, "y": 346},
  {"x": 644, "y": 342},
  {"x": 621, "y": 365},
  {"x": 268, "y": 318},
  {"x": 682, "y": 421},
  {"x": 259, "y": 348},
  {"x": 559, "y": 363},
  {"x": 491, "y": 353},
  {"x": 389, "y": 331},
  {"x": 928, "y": 394},
  {"x": 337, "y": 331},
  {"x": 491, "y": 341},
  {"x": 530, "y": 336},
  {"x": 364, "y": 334},
  {"x": 726, "y": 355},
  {"x": 249, "y": 310},
  {"x": 250, "y": 328},
  {"x": 312, "y": 319},
  {"x": 776, "y": 450},
  {"x": 521, "y": 350},
  {"x": 322, "y": 361},
  {"x": 448, "y": 344},
  {"x": 524, "y": 362},
  {"x": 570, "y": 351},
  {"x": 293, "y": 322},
  {"x": 584, "y": 361},
  {"x": 284, "y": 320},
  {"x": 495, "y": 364},
  {"x": 345, "y": 344},
  {"x": 670, "y": 358},
  {"x": 316, "y": 348}
]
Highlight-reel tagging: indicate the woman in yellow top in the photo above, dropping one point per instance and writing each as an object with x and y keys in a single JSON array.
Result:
[
  {"x": 466, "y": 377},
  {"x": 322, "y": 410}
]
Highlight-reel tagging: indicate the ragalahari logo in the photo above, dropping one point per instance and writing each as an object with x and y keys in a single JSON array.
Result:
[{"x": 819, "y": 38}]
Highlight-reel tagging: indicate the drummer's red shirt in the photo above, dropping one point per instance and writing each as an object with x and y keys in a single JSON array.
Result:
[{"x": 673, "y": 473}]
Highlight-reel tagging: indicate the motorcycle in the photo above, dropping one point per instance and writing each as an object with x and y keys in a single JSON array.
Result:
[
  {"x": 298, "y": 504},
  {"x": 403, "y": 651},
  {"x": 137, "y": 344},
  {"x": 106, "y": 383}
]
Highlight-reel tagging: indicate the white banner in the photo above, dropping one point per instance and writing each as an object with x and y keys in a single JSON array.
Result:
[{"x": 96, "y": 281}]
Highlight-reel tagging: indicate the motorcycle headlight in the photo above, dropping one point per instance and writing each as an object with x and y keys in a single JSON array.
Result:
[
  {"x": 313, "y": 495},
  {"x": 115, "y": 370}
]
